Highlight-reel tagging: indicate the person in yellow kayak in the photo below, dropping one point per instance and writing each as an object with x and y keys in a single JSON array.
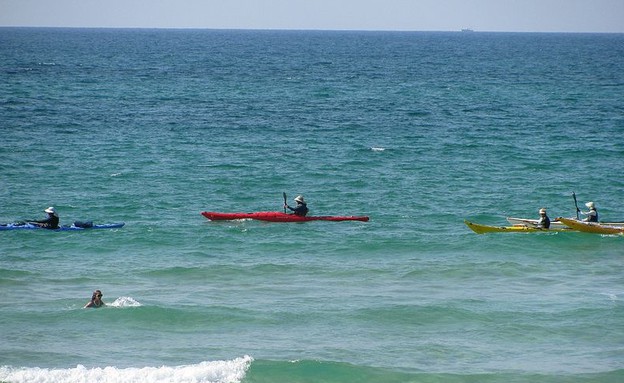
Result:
[
  {"x": 543, "y": 222},
  {"x": 51, "y": 222},
  {"x": 301, "y": 209},
  {"x": 592, "y": 214}
]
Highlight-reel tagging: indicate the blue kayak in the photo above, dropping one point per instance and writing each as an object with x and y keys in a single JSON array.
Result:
[{"x": 74, "y": 226}]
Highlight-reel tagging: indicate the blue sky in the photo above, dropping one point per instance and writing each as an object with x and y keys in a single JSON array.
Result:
[{"x": 410, "y": 15}]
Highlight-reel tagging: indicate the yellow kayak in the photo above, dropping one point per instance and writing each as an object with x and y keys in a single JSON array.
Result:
[
  {"x": 482, "y": 229},
  {"x": 554, "y": 224},
  {"x": 591, "y": 227}
]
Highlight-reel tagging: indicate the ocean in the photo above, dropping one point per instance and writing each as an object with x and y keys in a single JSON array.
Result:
[{"x": 417, "y": 130}]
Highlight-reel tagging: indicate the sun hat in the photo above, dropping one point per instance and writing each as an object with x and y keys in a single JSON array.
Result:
[
  {"x": 542, "y": 210},
  {"x": 590, "y": 205},
  {"x": 299, "y": 198},
  {"x": 50, "y": 210}
]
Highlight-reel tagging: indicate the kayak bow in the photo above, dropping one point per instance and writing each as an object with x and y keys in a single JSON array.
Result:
[{"x": 592, "y": 227}]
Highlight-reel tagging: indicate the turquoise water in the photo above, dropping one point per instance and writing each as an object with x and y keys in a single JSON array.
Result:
[{"x": 419, "y": 131}]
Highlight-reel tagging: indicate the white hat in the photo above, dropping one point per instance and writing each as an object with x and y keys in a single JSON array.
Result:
[
  {"x": 590, "y": 205},
  {"x": 299, "y": 198},
  {"x": 50, "y": 210},
  {"x": 542, "y": 210}
]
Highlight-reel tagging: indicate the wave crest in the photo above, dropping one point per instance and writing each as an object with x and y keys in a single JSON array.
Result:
[{"x": 226, "y": 371}]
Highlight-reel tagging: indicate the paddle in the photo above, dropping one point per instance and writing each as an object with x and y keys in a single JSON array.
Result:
[
  {"x": 576, "y": 204},
  {"x": 20, "y": 223},
  {"x": 284, "y": 194}
]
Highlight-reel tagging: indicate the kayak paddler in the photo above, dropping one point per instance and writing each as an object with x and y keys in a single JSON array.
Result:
[
  {"x": 592, "y": 214},
  {"x": 51, "y": 222},
  {"x": 301, "y": 209},
  {"x": 543, "y": 222}
]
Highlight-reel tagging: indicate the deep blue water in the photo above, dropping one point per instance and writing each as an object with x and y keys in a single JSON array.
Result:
[{"x": 419, "y": 131}]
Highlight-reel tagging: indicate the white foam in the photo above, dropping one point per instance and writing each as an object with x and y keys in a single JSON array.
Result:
[
  {"x": 125, "y": 302},
  {"x": 377, "y": 149},
  {"x": 227, "y": 371}
]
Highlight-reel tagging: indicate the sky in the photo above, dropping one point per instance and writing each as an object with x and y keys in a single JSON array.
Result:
[{"x": 596, "y": 16}]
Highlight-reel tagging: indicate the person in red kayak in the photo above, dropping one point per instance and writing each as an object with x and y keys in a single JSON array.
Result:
[
  {"x": 51, "y": 222},
  {"x": 301, "y": 209}
]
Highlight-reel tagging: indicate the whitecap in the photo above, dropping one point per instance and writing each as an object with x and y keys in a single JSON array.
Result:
[
  {"x": 125, "y": 302},
  {"x": 225, "y": 371}
]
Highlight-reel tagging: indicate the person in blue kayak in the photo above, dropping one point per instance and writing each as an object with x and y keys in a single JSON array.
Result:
[
  {"x": 301, "y": 209},
  {"x": 592, "y": 214},
  {"x": 51, "y": 222},
  {"x": 543, "y": 222},
  {"x": 96, "y": 300}
]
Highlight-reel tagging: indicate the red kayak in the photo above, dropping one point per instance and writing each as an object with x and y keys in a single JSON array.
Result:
[{"x": 276, "y": 216}]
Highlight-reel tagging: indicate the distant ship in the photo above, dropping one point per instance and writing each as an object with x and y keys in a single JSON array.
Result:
[{"x": 467, "y": 30}]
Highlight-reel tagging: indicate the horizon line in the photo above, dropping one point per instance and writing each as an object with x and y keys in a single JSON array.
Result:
[{"x": 461, "y": 30}]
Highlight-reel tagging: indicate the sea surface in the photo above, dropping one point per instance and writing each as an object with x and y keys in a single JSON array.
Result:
[{"x": 418, "y": 131}]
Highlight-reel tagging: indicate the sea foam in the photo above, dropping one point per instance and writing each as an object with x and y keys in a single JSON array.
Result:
[
  {"x": 125, "y": 302},
  {"x": 226, "y": 371}
]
